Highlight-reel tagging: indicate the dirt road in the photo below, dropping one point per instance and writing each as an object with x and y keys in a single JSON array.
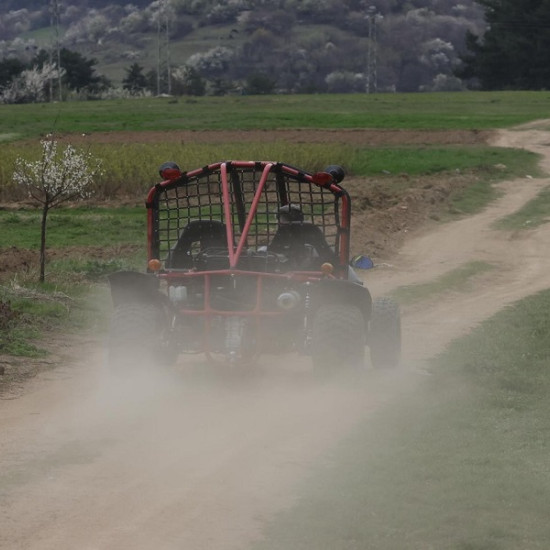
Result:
[{"x": 184, "y": 460}]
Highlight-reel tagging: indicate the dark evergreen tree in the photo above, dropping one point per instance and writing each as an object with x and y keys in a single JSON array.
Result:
[
  {"x": 260, "y": 83},
  {"x": 9, "y": 68},
  {"x": 79, "y": 71},
  {"x": 135, "y": 81},
  {"x": 514, "y": 52}
]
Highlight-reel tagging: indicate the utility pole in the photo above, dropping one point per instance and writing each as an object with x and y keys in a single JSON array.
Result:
[
  {"x": 163, "y": 45},
  {"x": 372, "y": 49},
  {"x": 167, "y": 41},
  {"x": 54, "y": 21}
]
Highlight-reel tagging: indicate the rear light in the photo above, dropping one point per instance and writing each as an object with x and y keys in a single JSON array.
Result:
[
  {"x": 154, "y": 265},
  {"x": 169, "y": 171}
]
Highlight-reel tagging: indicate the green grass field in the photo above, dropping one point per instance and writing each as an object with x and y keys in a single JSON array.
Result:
[
  {"x": 467, "y": 110},
  {"x": 131, "y": 167},
  {"x": 84, "y": 226}
]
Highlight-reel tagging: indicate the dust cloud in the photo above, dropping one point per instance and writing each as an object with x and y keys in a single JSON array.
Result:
[{"x": 188, "y": 457}]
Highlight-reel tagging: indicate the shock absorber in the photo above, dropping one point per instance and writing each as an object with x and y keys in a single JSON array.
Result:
[{"x": 233, "y": 336}]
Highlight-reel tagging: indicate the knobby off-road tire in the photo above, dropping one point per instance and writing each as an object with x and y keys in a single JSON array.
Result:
[
  {"x": 137, "y": 337},
  {"x": 384, "y": 338},
  {"x": 338, "y": 337}
]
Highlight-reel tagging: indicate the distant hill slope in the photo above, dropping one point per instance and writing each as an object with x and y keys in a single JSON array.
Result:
[{"x": 294, "y": 45}]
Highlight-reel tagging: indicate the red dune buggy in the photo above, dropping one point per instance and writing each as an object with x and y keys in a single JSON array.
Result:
[{"x": 248, "y": 258}]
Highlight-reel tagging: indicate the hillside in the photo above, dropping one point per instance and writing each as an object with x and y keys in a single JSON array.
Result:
[{"x": 280, "y": 45}]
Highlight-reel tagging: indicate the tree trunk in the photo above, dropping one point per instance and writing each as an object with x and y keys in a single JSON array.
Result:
[{"x": 43, "y": 242}]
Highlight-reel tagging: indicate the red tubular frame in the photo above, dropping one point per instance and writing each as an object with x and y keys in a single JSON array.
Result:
[
  {"x": 208, "y": 312},
  {"x": 179, "y": 277}
]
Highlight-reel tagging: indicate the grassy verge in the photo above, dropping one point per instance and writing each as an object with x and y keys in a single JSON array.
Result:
[
  {"x": 457, "y": 280},
  {"x": 460, "y": 465},
  {"x": 73, "y": 299},
  {"x": 83, "y": 226},
  {"x": 27, "y": 314},
  {"x": 536, "y": 212}
]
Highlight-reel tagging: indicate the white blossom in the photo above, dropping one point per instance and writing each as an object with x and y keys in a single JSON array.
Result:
[
  {"x": 57, "y": 176},
  {"x": 213, "y": 61},
  {"x": 30, "y": 85}
]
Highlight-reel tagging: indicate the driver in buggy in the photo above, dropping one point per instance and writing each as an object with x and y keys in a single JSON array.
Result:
[
  {"x": 303, "y": 243},
  {"x": 299, "y": 243}
]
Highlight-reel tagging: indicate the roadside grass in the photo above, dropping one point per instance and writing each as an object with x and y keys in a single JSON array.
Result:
[
  {"x": 506, "y": 164},
  {"x": 85, "y": 226},
  {"x": 457, "y": 280},
  {"x": 27, "y": 314},
  {"x": 461, "y": 110},
  {"x": 536, "y": 212},
  {"x": 461, "y": 463},
  {"x": 415, "y": 160},
  {"x": 73, "y": 299}
]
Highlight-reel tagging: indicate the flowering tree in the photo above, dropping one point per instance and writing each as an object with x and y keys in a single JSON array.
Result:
[
  {"x": 57, "y": 177},
  {"x": 213, "y": 62},
  {"x": 30, "y": 86}
]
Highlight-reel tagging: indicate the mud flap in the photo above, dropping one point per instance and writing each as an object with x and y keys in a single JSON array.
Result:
[{"x": 134, "y": 287}]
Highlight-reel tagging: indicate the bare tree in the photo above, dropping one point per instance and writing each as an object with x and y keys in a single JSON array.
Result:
[{"x": 57, "y": 177}]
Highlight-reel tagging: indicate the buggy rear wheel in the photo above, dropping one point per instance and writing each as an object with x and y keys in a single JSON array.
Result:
[
  {"x": 138, "y": 337},
  {"x": 385, "y": 334},
  {"x": 338, "y": 337}
]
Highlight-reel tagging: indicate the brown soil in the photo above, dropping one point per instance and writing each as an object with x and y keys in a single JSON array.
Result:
[
  {"x": 182, "y": 460},
  {"x": 355, "y": 137}
]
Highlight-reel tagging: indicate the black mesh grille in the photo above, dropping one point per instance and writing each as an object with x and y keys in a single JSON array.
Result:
[{"x": 200, "y": 197}]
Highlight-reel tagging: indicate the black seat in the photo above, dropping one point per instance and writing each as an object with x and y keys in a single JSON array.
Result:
[{"x": 196, "y": 237}]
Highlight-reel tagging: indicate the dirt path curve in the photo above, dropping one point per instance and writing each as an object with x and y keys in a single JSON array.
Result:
[
  {"x": 186, "y": 461},
  {"x": 521, "y": 258}
]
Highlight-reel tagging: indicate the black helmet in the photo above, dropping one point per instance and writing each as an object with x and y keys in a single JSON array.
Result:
[{"x": 290, "y": 213}]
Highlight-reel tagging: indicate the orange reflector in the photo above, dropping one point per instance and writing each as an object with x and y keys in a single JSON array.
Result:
[
  {"x": 154, "y": 265},
  {"x": 327, "y": 268}
]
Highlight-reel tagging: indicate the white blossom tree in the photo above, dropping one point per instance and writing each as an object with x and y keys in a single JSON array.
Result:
[
  {"x": 213, "y": 62},
  {"x": 58, "y": 176},
  {"x": 30, "y": 85}
]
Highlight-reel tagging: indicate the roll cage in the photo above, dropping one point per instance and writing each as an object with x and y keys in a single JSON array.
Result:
[{"x": 236, "y": 203}]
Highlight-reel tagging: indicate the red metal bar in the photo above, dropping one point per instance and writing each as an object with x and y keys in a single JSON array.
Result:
[
  {"x": 251, "y": 214},
  {"x": 227, "y": 214},
  {"x": 150, "y": 234}
]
